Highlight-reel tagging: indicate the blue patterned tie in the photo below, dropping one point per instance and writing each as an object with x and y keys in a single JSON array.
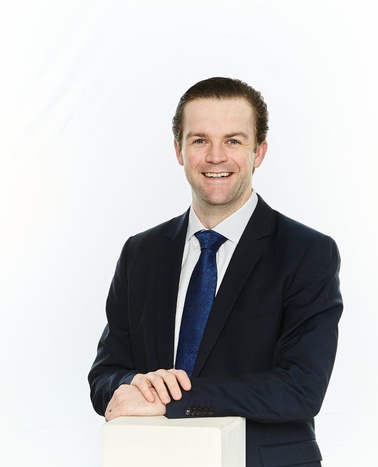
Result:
[{"x": 199, "y": 300}]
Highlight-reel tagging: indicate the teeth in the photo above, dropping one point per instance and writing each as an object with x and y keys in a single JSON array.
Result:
[{"x": 217, "y": 175}]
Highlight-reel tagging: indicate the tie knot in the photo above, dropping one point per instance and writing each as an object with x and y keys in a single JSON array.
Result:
[{"x": 210, "y": 240}]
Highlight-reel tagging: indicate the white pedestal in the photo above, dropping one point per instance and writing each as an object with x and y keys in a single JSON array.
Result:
[{"x": 159, "y": 442}]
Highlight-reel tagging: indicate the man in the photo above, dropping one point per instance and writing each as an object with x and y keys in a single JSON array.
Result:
[{"x": 266, "y": 349}]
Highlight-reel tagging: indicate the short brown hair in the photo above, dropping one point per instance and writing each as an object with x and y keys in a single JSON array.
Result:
[{"x": 224, "y": 88}]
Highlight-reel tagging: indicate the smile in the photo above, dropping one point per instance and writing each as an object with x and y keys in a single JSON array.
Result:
[{"x": 217, "y": 175}]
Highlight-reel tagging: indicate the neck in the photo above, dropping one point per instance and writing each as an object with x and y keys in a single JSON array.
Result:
[
  {"x": 210, "y": 219},
  {"x": 211, "y": 215}
]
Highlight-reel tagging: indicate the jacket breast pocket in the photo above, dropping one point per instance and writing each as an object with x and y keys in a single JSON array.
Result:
[{"x": 304, "y": 453}]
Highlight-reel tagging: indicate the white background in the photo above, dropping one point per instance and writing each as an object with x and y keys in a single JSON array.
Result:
[{"x": 87, "y": 92}]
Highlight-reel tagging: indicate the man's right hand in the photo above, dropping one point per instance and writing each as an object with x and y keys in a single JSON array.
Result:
[{"x": 129, "y": 401}]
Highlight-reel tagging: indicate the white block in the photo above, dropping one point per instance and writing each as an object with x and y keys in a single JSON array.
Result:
[{"x": 159, "y": 442}]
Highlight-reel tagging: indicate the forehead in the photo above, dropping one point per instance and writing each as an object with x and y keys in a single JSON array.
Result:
[{"x": 234, "y": 114}]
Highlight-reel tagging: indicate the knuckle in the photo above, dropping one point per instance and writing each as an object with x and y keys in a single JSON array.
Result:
[
  {"x": 139, "y": 380},
  {"x": 158, "y": 377},
  {"x": 117, "y": 392},
  {"x": 177, "y": 374},
  {"x": 151, "y": 376}
]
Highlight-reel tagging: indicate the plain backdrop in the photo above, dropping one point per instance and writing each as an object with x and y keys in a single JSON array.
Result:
[{"x": 87, "y": 93}]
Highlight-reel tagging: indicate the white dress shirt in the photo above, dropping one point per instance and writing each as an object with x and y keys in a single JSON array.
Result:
[{"x": 232, "y": 228}]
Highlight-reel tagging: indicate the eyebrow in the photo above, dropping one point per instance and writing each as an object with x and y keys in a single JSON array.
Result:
[
  {"x": 194, "y": 134},
  {"x": 238, "y": 133}
]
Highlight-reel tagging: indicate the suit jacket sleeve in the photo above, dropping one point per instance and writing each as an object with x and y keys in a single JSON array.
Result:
[
  {"x": 294, "y": 387},
  {"x": 114, "y": 364}
]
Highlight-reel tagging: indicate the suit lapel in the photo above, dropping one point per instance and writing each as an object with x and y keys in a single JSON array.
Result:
[
  {"x": 168, "y": 277},
  {"x": 246, "y": 256}
]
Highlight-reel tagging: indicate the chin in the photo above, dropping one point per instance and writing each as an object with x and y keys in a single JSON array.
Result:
[{"x": 219, "y": 201}]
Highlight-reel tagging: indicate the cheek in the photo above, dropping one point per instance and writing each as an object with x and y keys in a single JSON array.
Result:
[
  {"x": 192, "y": 161},
  {"x": 190, "y": 170},
  {"x": 244, "y": 163}
]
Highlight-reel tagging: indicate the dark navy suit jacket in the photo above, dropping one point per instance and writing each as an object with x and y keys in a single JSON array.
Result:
[{"x": 269, "y": 345}]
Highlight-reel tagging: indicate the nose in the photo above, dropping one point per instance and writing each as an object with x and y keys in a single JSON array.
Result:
[{"x": 216, "y": 154}]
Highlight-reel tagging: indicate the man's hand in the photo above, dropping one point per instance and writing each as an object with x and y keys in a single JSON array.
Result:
[
  {"x": 165, "y": 383},
  {"x": 128, "y": 401},
  {"x": 148, "y": 394}
]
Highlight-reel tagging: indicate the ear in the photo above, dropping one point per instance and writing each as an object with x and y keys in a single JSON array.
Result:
[
  {"x": 260, "y": 154},
  {"x": 178, "y": 153}
]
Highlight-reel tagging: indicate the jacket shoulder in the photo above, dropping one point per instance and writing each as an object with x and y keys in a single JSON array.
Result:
[
  {"x": 152, "y": 239},
  {"x": 170, "y": 228},
  {"x": 291, "y": 231},
  {"x": 296, "y": 228}
]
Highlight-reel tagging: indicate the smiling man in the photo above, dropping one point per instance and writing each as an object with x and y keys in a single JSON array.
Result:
[{"x": 232, "y": 308}]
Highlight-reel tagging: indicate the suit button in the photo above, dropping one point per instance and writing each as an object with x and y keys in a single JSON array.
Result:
[
  {"x": 188, "y": 411},
  {"x": 211, "y": 412},
  {"x": 205, "y": 412},
  {"x": 199, "y": 412}
]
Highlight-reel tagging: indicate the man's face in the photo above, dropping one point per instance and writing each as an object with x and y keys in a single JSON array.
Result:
[{"x": 218, "y": 152}]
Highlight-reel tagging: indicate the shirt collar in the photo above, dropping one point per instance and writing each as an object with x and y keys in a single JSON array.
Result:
[{"x": 232, "y": 227}]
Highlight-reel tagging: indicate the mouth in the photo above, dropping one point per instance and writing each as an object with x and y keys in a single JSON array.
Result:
[{"x": 217, "y": 174}]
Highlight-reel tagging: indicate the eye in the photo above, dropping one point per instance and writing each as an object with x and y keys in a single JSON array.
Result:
[
  {"x": 199, "y": 141},
  {"x": 233, "y": 141}
]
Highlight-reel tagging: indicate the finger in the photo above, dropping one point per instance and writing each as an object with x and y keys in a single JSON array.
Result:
[
  {"x": 174, "y": 380},
  {"x": 149, "y": 382},
  {"x": 116, "y": 411},
  {"x": 157, "y": 380},
  {"x": 119, "y": 398},
  {"x": 110, "y": 414},
  {"x": 182, "y": 378},
  {"x": 144, "y": 386}
]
